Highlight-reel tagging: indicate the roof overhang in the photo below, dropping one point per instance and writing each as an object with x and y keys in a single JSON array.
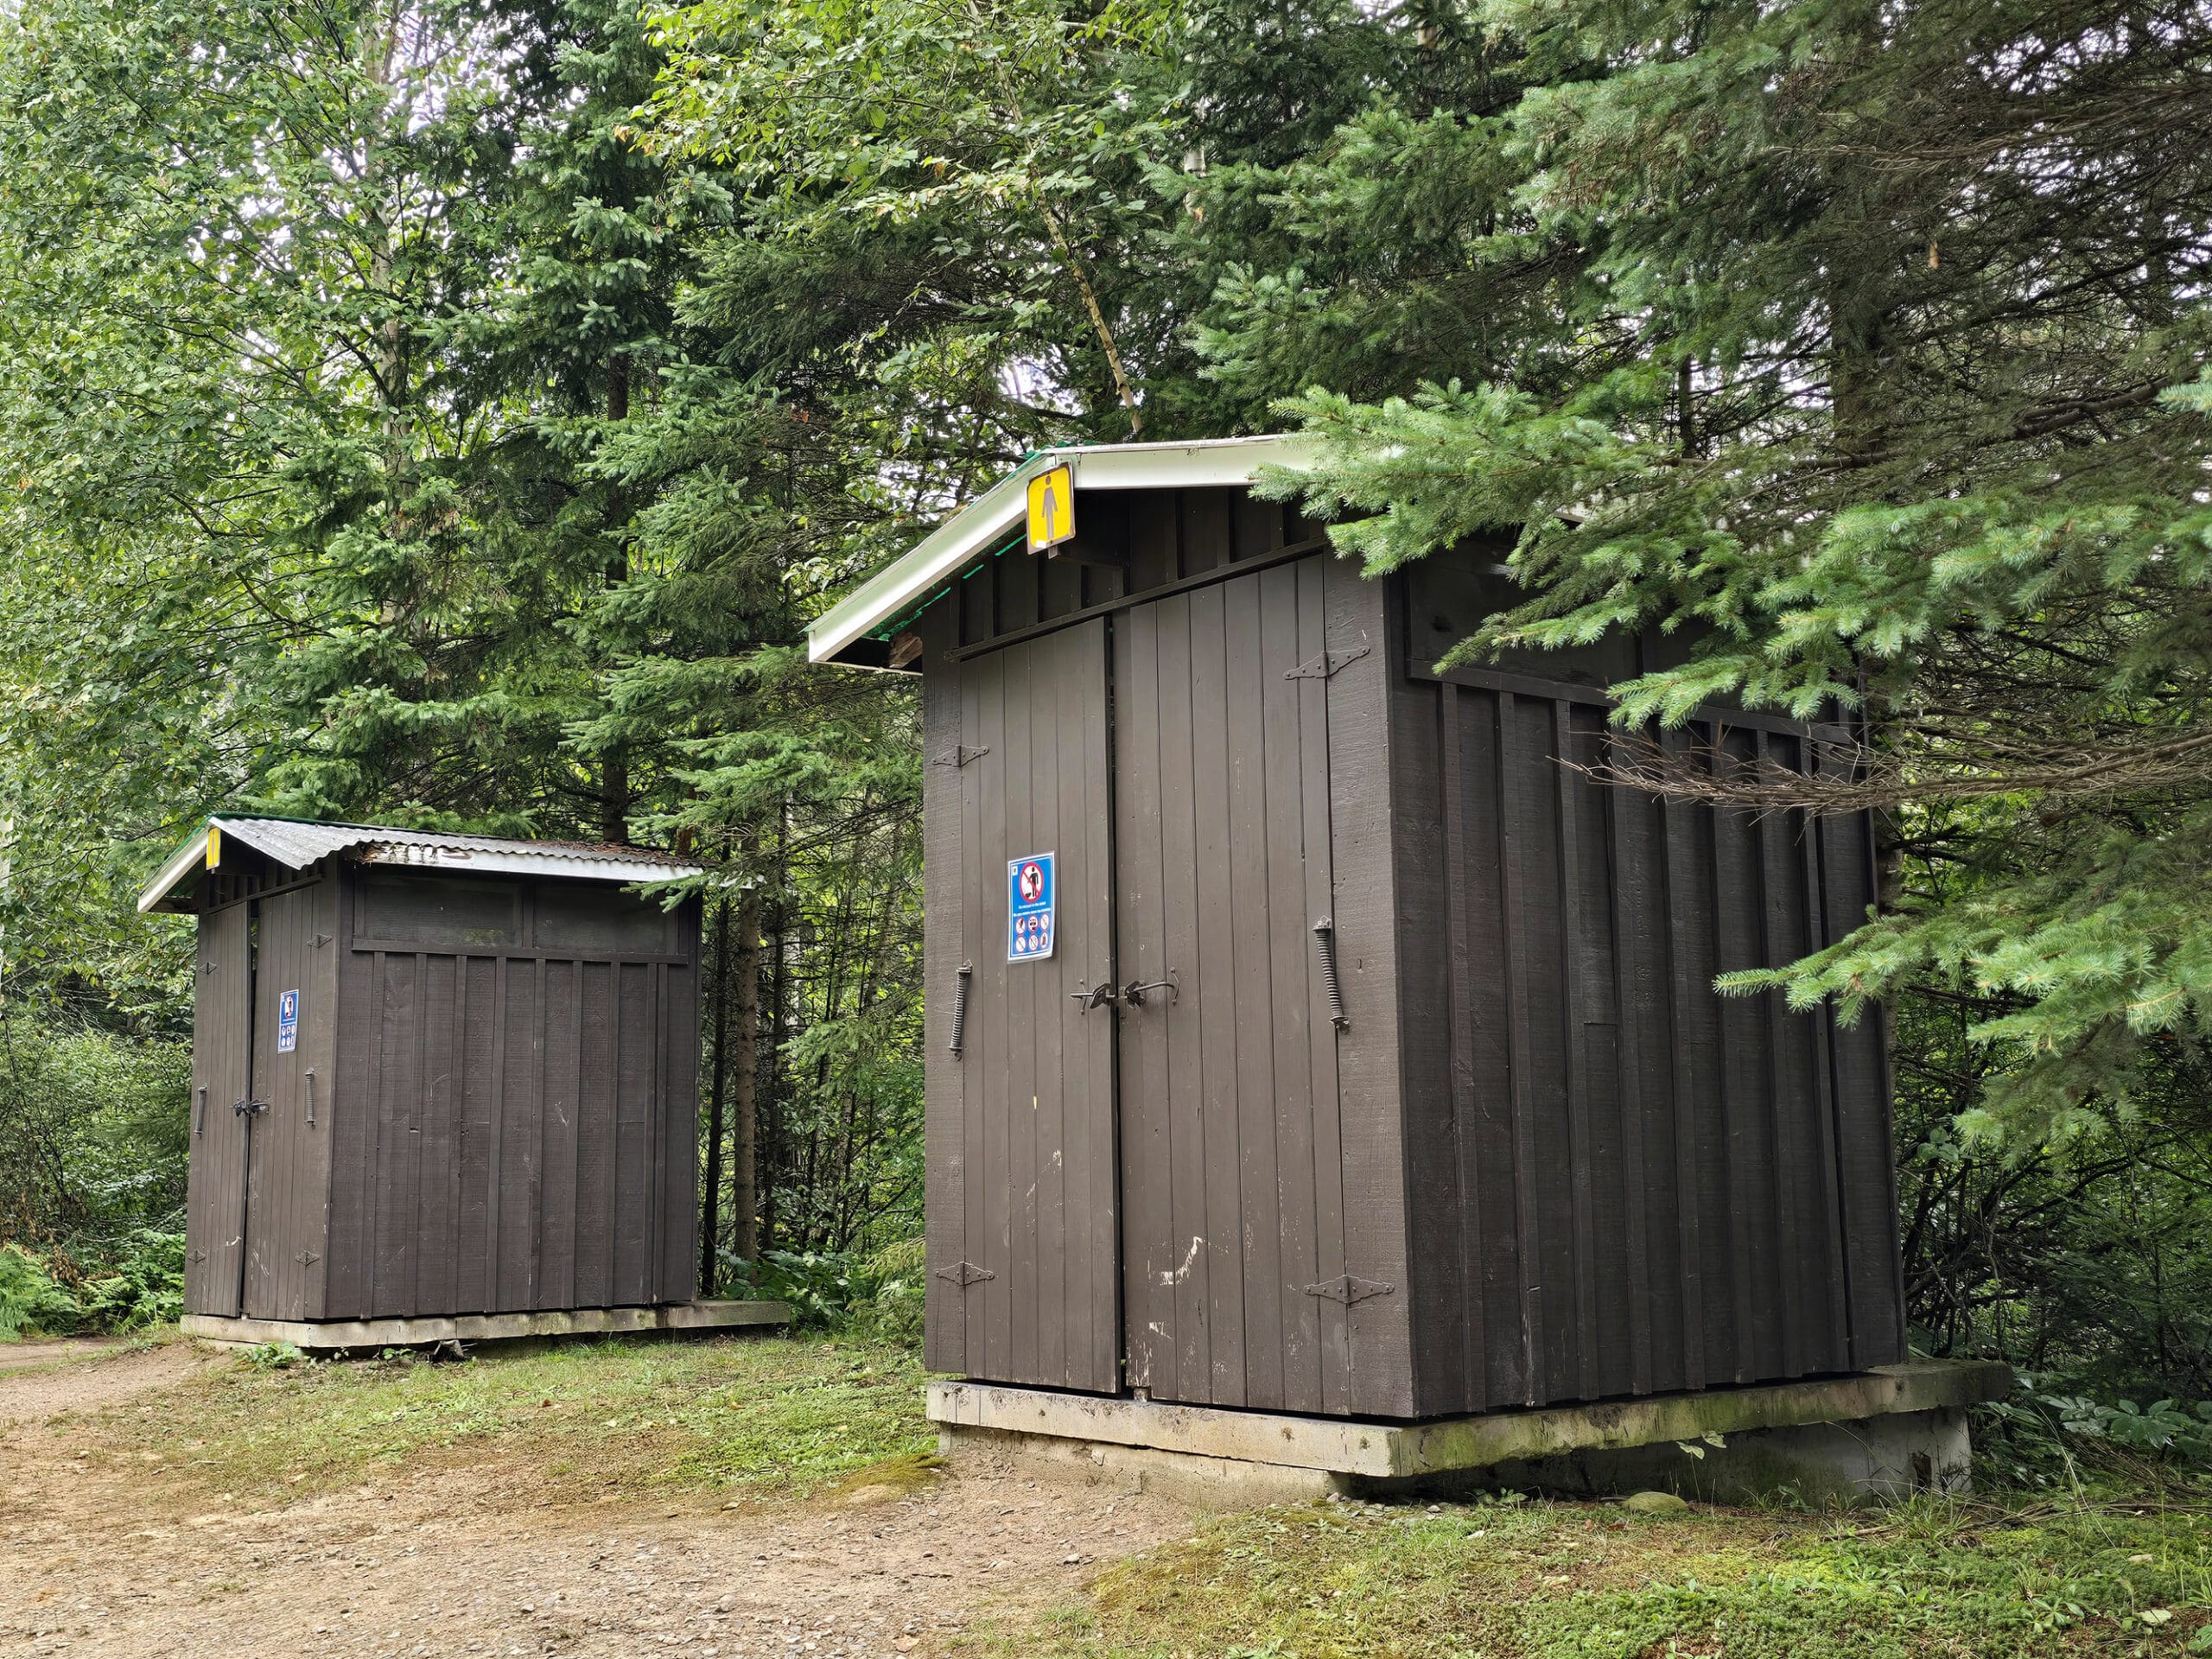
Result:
[
  {"x": 298, "y": 844},
  {"x": 841, "y": 634}
]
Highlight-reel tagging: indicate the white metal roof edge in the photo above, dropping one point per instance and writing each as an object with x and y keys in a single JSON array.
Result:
[
  {"x": 1196, "y": 464},
  {"x": 384, "y": 843},
  {"x": 174, "y": 872}
]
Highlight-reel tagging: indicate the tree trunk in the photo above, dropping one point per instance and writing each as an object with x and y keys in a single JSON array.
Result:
[
  {"x": 614, "y": 765},
  {"x": 744, "y": 1179},
  {"x": 710, "y": 1188},
  {"x": 772, "y": 1117}
]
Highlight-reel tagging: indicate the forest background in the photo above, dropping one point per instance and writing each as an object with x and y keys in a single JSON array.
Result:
[{"x": 450, "y": 412}]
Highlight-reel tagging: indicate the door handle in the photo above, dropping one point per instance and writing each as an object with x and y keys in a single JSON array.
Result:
[
  {"x": 199, "y": 1117},
  {"x": 960, "y": 1008},
  {"x": 1325, "y": 941}
]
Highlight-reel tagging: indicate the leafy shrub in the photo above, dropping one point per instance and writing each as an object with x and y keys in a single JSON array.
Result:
[
  {"x": 29, "y": 1299},
  {"x": 137, "y": 1283},
  {"x": 94, "y": 1130},
  {"x": 2038, "y": 1436},
  {"x": 877, "y": 1294},
  {"x": 144, "y": 1284}
]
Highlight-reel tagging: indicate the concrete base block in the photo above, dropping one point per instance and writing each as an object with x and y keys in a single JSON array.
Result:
[
  {"x": 1880, "y": 1434},
  {"x": 351, "y": 1335},
  {"x": 1203, "y": 1482},
  {"x": 1875, "y": 1458}
]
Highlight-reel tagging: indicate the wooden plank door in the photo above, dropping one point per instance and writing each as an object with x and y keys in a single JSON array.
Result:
[
  {"x": 215, "y": 1197},
  {"x": 1232, "y": 1170},
  {"x": 1024, "y": 1270},
  {"x": 287, "y": 1170}
]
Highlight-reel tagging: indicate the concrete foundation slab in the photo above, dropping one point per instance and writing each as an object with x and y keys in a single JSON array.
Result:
[
  {"x": 347, "y": 1336},
  {"x": 1881, "y": 1434}
]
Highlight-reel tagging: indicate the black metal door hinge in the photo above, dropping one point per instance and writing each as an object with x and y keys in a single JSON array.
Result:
[
  {"x": 959, "y": 756},
  {"x": 1348, "y": 1290},
  {"x": 966, "y": 1273},
  {"x": 1321, "y": 667},
  {"x": 306, "y": 1258}
]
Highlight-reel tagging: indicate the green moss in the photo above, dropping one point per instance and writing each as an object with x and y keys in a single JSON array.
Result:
[
  {"x": 1589, "y": 1581},
  {"x": 746, "y": 1414}
]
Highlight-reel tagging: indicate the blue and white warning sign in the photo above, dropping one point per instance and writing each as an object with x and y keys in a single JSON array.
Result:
[
  {"x": 1032, "y": 903},
  {"x": 288, "y": 1021}
]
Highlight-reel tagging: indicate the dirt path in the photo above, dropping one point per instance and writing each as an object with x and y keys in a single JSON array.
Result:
[
  {"x": 92, "y": 1562},
  {"x": 38, "y": 1379}
]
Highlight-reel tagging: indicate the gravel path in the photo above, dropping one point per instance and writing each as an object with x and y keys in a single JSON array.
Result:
[{"x": 93, "y": 1562}]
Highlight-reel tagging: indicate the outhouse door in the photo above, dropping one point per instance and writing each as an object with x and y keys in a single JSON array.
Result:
[
  {"x": 285, "y": 1179},
  {"x": 1023, "y": 1223},
  {"x": 1231, "y": 1167},
  {"x": 222, "y": 1039}
]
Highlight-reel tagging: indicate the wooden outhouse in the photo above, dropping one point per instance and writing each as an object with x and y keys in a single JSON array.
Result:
[
  {"x": 1304, "y": 1031},
  {"x": 434, "y": 1074}
]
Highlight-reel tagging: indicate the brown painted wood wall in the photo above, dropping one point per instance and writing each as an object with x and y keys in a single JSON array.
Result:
[
  {"x": 1620, "y": 1181},
  {"x": 504, "y": 1092},
  {"x": 519, "y": 1122}
]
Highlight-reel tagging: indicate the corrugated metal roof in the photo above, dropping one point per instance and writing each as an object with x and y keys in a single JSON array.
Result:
[
  {"x": 296, "y": 845},
  {"x": 992, "y": 515}
]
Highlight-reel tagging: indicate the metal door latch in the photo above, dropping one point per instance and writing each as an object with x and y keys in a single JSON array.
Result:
[
  {"x": 1130, "y": 995},
  {"x": 248, "y": 1108},
  {"x": 1133, "y": 993}
]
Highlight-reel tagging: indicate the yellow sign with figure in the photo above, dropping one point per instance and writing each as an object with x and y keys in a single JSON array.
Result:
[
  {"x": 1052, "y": 509},
  {"x": 214, "y": 845}
]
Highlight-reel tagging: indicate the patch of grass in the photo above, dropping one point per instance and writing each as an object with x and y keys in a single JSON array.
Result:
[
  {"x": 1589, "y": 1581},
  {"x": 747, "y": 1416},
  {"x": 910, "y": 1472}
]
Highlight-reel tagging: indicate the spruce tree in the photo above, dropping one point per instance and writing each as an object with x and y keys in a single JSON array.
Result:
[{"x": 1861, "y": 344}]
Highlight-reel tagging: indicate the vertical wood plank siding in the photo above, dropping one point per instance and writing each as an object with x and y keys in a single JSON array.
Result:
[
  {"x": 1022, "y": 1204},
  {"x": 511, "y": 1129},
  {"x": 1232, "y": 1162},
  {"x": 947, "y": 892},
  {"x": 215, "y": 1192},
  {"x": 1621, "y": 1182}
]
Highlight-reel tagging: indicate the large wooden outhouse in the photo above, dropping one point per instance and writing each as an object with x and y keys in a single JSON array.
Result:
[
  {"x": 434, "y": 1074},
  {"x": 1305, "y": 1031}
]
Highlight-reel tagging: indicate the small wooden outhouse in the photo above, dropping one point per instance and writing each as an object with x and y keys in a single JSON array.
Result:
[
  {"x": 1306, "y": 1031},
  {"x": 434, "y": 1074}
]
